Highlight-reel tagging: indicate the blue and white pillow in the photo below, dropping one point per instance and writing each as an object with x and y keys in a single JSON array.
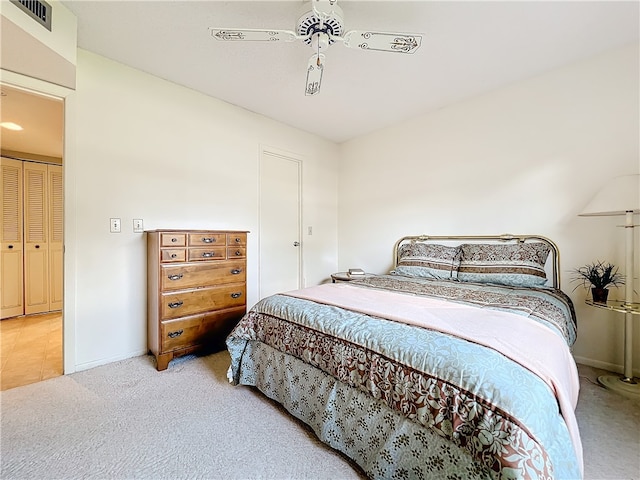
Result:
[
  {"x": 517, "y": 265},
  {"x": 428, "y": 261}
]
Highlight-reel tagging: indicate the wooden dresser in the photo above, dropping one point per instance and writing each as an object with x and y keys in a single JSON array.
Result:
[{"x": 196, "y": 290}]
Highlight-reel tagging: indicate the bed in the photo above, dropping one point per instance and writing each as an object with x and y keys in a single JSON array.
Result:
[{"x": 456, "y": 364}]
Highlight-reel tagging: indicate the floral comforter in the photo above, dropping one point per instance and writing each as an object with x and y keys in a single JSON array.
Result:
[{"x": 498, "y": 418}]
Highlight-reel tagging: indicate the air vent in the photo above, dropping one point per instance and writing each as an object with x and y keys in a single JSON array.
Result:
[{"x": 39, "y": 11}]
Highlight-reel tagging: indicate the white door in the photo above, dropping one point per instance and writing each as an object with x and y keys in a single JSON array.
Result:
[
  {"x": 280, "y": 249},
  {"x": 36, "y": 244},
  {"x": 11, "y": 239}
]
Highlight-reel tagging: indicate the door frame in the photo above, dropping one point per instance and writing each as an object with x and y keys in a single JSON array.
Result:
[
  {"x": 299, "y": 160},
  {"x": 68, "y": 97}
]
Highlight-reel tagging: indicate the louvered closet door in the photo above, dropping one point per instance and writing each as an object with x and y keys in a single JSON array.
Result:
[
  {"x": 36, "y": 247},
  {"x": 56, "y": 206},
  {"x": 11, "y": 266}
]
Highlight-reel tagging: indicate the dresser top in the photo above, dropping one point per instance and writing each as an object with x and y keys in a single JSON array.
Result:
[{"x": 164, "y": 230}]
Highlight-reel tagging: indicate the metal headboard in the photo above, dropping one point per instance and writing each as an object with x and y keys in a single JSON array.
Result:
[{"x": 554, "y": 252}]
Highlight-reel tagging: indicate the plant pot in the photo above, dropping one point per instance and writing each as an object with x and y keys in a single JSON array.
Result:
[{"x": 600, "y": 295}]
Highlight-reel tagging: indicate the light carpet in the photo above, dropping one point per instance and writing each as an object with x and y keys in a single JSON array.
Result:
[{"x": 126, "y": 421}]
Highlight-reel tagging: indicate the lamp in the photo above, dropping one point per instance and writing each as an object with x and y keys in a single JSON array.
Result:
[{"x": 621, "y": 196}]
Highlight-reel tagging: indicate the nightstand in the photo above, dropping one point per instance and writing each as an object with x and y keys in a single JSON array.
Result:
[
  {"x": 345, "y": 277},
  {"x": 616, "y": 306}
]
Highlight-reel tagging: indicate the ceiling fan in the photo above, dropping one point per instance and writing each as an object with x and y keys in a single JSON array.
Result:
[{"x": 321, "y": 24}]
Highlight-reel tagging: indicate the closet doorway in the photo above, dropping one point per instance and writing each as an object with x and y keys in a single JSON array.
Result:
[{"x": 31, "y": 237}]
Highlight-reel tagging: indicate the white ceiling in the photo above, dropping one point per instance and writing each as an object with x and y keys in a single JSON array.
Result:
[
  {"x": 41, "y": 118},
  {"x": 468, "y": 48}
]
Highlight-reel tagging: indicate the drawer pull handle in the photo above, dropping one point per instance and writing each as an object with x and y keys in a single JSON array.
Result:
[
  {"x": 209, "y": 254},
  {"x": 236, "y": 271},
  {"x": 236, "y": 295},
  {"x": 175, "y": 334},
  {"x": 175, "y": 304},
  {"x": 173, "y": 255},
  {"x": 238, "y": 240},
  {"x": 10, "y": 246},
  {"x": 175, "y": 277},
  {"x": 208, "y": 240},
  {"x": 174, "y": 239},
  {"x": 238, "y": 253}
]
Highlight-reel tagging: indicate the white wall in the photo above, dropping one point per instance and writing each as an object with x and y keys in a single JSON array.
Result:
[
  {"x": 62, "y": 37},
  {"x": 28, "y": 48},
  {"x": 523, "y": 159},
  {"x": 150, "y": 149}
]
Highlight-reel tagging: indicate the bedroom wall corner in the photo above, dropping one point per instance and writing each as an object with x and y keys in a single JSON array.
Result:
[{"x": 522, "y": 159}]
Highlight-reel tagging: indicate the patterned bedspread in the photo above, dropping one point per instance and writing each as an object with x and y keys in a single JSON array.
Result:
[
  {"x": 500, "y": 413},
  {"x": 549, "y": 306}
]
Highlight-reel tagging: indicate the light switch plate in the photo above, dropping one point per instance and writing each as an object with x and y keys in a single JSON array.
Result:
[
  {"x": 114, "y": 225},
  {"x": 137, "y": 225}
]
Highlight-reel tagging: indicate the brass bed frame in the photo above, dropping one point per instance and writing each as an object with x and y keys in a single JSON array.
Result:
[{"x": 507, "y": 238}]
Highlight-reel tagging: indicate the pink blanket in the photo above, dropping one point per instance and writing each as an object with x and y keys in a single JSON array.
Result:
[{"x": 525, "y": 341}]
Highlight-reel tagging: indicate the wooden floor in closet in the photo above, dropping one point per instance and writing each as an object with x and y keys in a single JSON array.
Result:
[{"x": 31, "y": 349}]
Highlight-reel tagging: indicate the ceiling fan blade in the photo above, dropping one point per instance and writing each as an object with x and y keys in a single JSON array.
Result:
[
  {"x": 382, "y": 41},
  {"x": 252, "y": 35},
  {"x": 314, "y": 75}
]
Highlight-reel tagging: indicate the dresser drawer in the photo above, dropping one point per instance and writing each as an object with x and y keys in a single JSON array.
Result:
[
  {"x": 206, "y": 238},
  {"x": 190, "y": 302},
  {"x": 202, "y": 274},
  {"x": 208, "y": 329},
  {"x": 174, "y": 255},
  {"x": 236, "y": 239},
  {"x": 207, "y": 253},
  {"x": 236, "y": 252},
  {"x": 173, "y": 240}
]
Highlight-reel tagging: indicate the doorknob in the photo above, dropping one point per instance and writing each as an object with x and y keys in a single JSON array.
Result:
[{"x": 296, "y": 244}]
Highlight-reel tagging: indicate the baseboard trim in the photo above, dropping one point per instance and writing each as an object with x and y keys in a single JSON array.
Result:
[
  {"x": 598, "y": 364},
  {"x": 611, "y": 367},
  {"x": 104, "y": 361}
]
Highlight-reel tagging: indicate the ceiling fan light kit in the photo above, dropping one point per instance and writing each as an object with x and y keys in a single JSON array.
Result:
[
  {"x": 320, "y": 25},
  {"x": 312, "y": 22}
]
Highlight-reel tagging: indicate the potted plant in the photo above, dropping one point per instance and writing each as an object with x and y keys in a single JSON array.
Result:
[{"x": 599, "y": 276}]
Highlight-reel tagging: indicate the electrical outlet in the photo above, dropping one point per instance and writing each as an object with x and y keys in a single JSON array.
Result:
[
  {"x": 137, "y": 225},
  {"x": 309, "y": 230},
  {"x": 114, "y": 225}
]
